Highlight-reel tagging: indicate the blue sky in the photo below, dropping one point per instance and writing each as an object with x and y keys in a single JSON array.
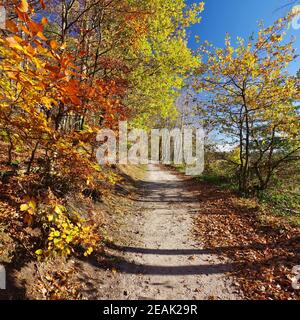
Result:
[{"x": 239, "y": 18}]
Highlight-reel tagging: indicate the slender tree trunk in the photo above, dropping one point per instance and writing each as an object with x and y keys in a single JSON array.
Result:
[
  {"x": 32, "y": 157},
  {"x": 245, "y": 186},
  {"x": 241, "y": 137},
  {"x": 10, "y": 148}
]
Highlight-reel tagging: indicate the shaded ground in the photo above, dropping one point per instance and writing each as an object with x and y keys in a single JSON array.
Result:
[
  {"x": 165, "y": 261},
  {"x": 172, "y": 238},
  {"x": 262, "y": 249},
  {"x": 76, "y": 278}
]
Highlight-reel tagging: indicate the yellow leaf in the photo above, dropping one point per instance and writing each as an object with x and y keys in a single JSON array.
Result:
[
  {"x": 24, "y": 207},
  {"x": 63, "y": 46},
  {"x": 88, "y": 251},
  {"x": 56, "y": 233},
  {"x": 58, "y": 210},
  {"x": 39, "y": 252},
  {"x": 12, "y": 42},
  {"x": 32, "y": 204},
  {"x": 41, "y": 35}
]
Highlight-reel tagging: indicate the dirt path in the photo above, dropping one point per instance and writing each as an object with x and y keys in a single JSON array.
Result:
[{"x": 165, "y": 261}]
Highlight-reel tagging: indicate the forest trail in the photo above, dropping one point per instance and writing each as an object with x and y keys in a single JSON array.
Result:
[{"x": 166, "y": 262}]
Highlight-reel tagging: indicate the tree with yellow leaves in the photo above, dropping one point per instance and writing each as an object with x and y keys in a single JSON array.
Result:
[{"x": 253, "y": 100}]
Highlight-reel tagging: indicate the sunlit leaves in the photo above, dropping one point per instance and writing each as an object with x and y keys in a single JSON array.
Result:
[
  {"x": 65, "y": 233},
  {"x": 253, "y": 100},
  {"x": 23, "y": 6},
  {"x": 53, "y": 44},
  {"x": 166, "y": 60},
  {"x": 58, "y": 87},
  {"x": 29, "y": 206}
]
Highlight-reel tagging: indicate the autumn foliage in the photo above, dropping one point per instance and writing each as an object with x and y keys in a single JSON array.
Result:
[
  {"x": 253, "y": 101},
  {"x": 69, "y": 68}
]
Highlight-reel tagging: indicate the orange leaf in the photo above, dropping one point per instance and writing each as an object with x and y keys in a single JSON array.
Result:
[
  {"x": 28, "y": 219},
  {"x": 42, "y": 2},
  {"x": 26, "y": 30},
  {"x": 53, "y": 44},
  {"x": 23, "y": 6},
  {"x": 11, "y": 26},
  {"x": 75, "y": 100},
  {"x": 22, "y": 15},
  {"x": 44, "y": 21},
  {"x": 52, "y": 68},
  {"x": 35, "y": 27},
  {"x": 41, "y": 36}
]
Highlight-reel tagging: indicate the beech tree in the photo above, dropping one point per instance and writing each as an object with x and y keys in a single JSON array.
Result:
[
  {"x": 253, "y": 100},
  {"x": 69, "y": 68}
]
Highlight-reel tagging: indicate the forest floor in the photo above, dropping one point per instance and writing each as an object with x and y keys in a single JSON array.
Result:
[
  {"x": 169, "y": 236},
  {"x": 192, "y": 240}
]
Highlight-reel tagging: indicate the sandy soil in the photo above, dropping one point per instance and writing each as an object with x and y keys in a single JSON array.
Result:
[{"x": 164, "y": 260}]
